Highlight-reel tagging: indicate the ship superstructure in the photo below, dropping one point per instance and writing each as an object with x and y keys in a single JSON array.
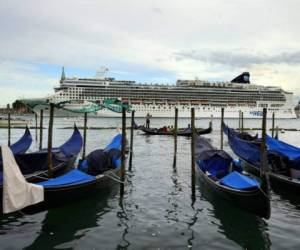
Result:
[{"x": 159, "y": 100}]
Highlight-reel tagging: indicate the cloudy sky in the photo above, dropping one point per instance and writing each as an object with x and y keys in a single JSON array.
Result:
[{"x": 147, "y": 41}]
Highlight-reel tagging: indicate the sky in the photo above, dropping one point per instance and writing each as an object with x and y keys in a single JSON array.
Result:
[{"x": 151, "y": 41}]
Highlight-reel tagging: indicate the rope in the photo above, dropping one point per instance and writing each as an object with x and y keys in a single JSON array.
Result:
[
  {"x": 43, "y": 178},
  {"x": 265, "y": 194},
  {"x": 114, "y": 178}
]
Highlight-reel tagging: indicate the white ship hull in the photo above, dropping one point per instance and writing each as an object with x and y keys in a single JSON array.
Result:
[{"x": 183, "y": 112}]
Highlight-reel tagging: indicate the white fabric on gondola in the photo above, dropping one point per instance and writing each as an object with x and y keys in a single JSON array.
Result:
[{"x": 17, "y": 192}]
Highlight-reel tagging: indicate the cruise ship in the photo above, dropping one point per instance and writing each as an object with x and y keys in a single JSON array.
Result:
[{"x": 160, "y": 100}]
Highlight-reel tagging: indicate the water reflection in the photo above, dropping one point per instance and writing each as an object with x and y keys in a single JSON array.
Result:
[
  {"x": 125, "y": 214},
  {"x": 283, "y": 195},
  {"x": 246, "y": 229},
  {"x": 123, "y": 217},
  {"x": 66, "y": 224},
  {"x": 172, "y": 214}
]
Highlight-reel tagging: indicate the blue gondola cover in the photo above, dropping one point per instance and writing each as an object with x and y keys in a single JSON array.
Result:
[
  {"x": 216, "y": 162},
  {"x": 73, "y": 177},
  {"x": 116, "y": 143},
  {"x": 238, "y": 181},
  {"x": 78, "y": 176},
  {"x": 282, "y": 148},
  {"x": 250, "y": 151},
  {"x": 244, "y": 149}
]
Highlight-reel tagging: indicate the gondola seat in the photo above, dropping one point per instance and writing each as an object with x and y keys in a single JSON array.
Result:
[
  {"x": 216, "y": 166},
  {"x": 236, "y": 180}
]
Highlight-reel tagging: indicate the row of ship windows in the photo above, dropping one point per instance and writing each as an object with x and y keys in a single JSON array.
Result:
[
  {"x": 166, "y": 88},
  {"x": 90, "y": 96},
  {"x": 217, "y": 109},
  {"x": 218, "y": 99},
  {"x": 242, "y": 100},
  {"x": 183, "y": 89},
  {"x": 169, "y": 93}
]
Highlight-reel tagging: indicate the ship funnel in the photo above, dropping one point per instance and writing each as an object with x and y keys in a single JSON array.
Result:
[{"x": 242, "y": 78}]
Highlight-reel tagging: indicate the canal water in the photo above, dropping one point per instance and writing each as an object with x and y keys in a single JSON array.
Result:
[{"x": 157, "y": 211}]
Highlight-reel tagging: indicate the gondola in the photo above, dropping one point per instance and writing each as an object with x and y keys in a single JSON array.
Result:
[
  {"x": 180, "y": 132},
  {"x": 283, "y": 160},
  {"x": 23, "y": 144},
  {"x": 34, "y": 165},
  {"x": 219, "y": 172},
  {"x": 96, "y": 171}
]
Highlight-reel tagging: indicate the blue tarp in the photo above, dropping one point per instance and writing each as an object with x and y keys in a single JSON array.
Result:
[
  {"x": 216, "y": 166},
  {"x": 244, "y": 149},
  {"x": 116, "y": 143},
  {"x": 279, "y": 147},
  {"x": 73, "y": 177},
  {"x": 216, "y": 162},
  {"x": 249, "y": 151},
  {"x": 76, "y": 176},
  {"x": 238, "y": 181}
]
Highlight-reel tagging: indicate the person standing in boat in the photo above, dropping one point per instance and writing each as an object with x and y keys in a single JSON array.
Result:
[{"x": 148, "y": 120}]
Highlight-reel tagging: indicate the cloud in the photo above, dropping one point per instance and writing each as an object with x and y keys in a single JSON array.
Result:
[
  {"x": 239, "y": 59},
  {"x": 23, "y": 80},
  {"x": 157, "y": 10},
  {"x": 149, "y": 40}
]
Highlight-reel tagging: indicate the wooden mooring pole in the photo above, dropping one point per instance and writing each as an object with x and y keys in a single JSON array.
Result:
[
  {"x": 36, "y": 125},
  {"x": 193, "y": 153},
  {"x": 131, "y": 140},
  {"x": 222, "y": 128},
  {"x": 242, "y": 122},
  {"x": 84, "y": 135},
  {"x": 273, "y": 124},
  {"x": 263, "y": 144},
  {"x": 50, "y": 133},
  {"x": 8, "y": 124},
  {"x": 41, "y": 129},
  {"x": 277, "y": 133},
  {"x": 175, "y": 136},
  {"x": 123, "y": 152},
  {"x": 239, "y": 121},
  {"x": 264, "y": 158}
]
